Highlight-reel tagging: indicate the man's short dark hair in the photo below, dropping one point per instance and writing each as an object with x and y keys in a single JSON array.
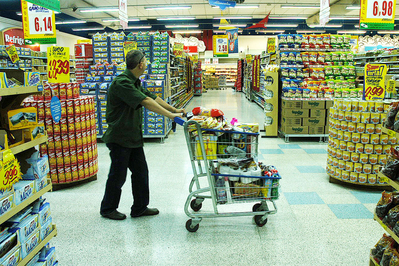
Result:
[{"x": 133, "y": 58}]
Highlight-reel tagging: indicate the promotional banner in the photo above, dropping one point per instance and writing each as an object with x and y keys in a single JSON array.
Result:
[
  {"x": 194, "y": 57},
  {"x": 12, "y": 53},
  {"x": 124, "y": 19},
  {"x": 374, "y": 81},
  {"x": 377, "y": 14},
  {"x": 58, "y": 64},
  {"x": 232, "y": 35},
  {"x": 390, "y": 92},
  {"x": 50, "y": 4},
  {"x": 178, "y": 49},
  {"x": 324, "y": 15},
  {"x": 248, "y": 58},
  {"x": 10, "y": 172},
  {"x": 129, "y": 46},
  {"x": 15, "y": 36},
  {"x": 271, "y": 45},
  {"x": 220, "y": 46},
  {"x": 38, "y": 23}
]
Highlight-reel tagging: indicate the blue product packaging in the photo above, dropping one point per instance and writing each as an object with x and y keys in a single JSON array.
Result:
[
  {"x": 104, "y": 86},
  {"x": 30, "y": 243},
  {"x": 12, "y": 257},
  {"x": 93, "y": 85},
  {"x": 23, "y": 190},
  {"x": 47, "y": 255},
  {"x": 46, "y": 228},
  {"x": 39, "y": 167},
  {"x": 34, "y": 260},
  {"x": 89, "y": 79},
  {"x": 27, "y": 227},
  {"x": 44, "y": 213}
]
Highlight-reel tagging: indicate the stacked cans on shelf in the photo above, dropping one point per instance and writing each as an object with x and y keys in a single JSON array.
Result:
[
  {"x": 357, "y": 147},
  {"x": 72, "y": 144}
]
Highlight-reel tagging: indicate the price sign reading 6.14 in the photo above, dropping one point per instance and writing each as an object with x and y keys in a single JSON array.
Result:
[
  {"x": 58, "y": 64},
  {"x": 377, "y": 14}
]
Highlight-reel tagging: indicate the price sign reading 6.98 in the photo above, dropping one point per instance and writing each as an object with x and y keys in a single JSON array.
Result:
[
  {"x": 380, "y": 9},
  {"x": 377, "y": 14},
  {"x": 58, "y": 64}
]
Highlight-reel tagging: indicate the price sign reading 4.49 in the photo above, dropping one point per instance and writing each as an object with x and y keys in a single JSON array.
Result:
[
  {"x": 58, "y": 64},
  {"x": 377, "y": 14},
  {"x": 374, "y": 81}
]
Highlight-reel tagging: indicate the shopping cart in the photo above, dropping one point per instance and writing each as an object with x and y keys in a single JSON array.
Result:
[{"x": 219, "y": 157}]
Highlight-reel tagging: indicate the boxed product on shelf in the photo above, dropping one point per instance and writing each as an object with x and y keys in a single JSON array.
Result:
[
  {"x": 295, "y": 112},
  {"x": 23, "y": 190},
  {"x": 47, "y": 255},
  {"x": 30, "y": 243},
  {"x": 46, "y": 228},
  {"x": 9, "y": 244},
  {"x": 26, "y": 227},
  {"x": 12, "y": 257},
  {"x": 295, "y": 129},
  {"x": 6, "y": 203},
  {"x": 22, "y": 118}
]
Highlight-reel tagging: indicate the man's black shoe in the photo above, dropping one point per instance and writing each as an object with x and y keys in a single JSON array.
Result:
[
  {"x": 115, "y": 215},
  {"x": 147, "y": 212}
]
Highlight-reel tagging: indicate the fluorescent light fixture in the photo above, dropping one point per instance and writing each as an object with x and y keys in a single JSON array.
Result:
[
  {"x": 223, "y": 31},
  {"x": 353, "y": 7},
  {"x": 351, "y": 31},
  {"x": 70, "y": 22},
  {"x": 86, "y": 29},
  {"x": 99, "y": 9},
  {"x": 300, "y": 6},
  {"x": 187, "y": 32},
  {"x": 229, "y": 25},
  {"x": 232, "y": 18},
  {"x": 278, "y": 17},
  {"x": 137, "y": 27},
  {"x": 388, "y": 32},
  {"x": 117, "y": 20},
  {"x": 281, "y": 25},
  {"x": 326, "y": 26},
  {"x": 166, "y": 7},
  {"x": 20, "y": 13},
  {"x": 241, "y": 6},
  {"x": 310, "y": 31},
  {"x": 344, "y": 18},
  {"x": 177, "y": 18},
  {"x": 271, "y": 31},
  {"x": 182, "y": 26}
]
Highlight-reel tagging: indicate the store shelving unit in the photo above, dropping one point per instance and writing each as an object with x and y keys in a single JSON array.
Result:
[{"x": 226, "y": 71}]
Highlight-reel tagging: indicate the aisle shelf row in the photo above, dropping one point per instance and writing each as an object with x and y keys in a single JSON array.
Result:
[
  {"x": 386, "y": 228},
  {"x": 25, "y": 146},
  {"x": 16, "y": 209},
  {"x": 19, "y": 90},
  {"x": 392, "y": 183},
  {"x": 333, "y": 179},
  {"x": 375, "y": 56},
  {"x": 373, "y": 262},
  {"x": 313, "y": 50},
  {"x": 39, "y": 247}
]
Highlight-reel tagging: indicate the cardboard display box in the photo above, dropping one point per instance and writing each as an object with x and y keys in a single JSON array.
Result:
[
  {"x": 314, "y": 121},
  {"x": 295, "y": 112},
  {"x": 291, "y": 121},
  {"x": 300, "y": 130},
  {"x": 291, "y": 104},
  {"x": 314, "y": 104},
  {"x": 318, "y": 113},
  {"x": 329, "y": 104},
  {"x": 316, "y": 130}
]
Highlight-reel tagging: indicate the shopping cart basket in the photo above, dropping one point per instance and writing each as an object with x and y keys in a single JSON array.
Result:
[{"x": 217, "y": 159}]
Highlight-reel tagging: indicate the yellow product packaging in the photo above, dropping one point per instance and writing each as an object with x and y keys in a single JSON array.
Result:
[
  {"x": 334, "y": 133},
  {"x": 340, "y": 135},
  {"x": 370, "y": 129},
  {"x": 384, "y": 139},
  {"x": 348, "y": 116},
  {"x": 376, "y": 169},
  {"x": 362, "y": 178},
  {"x": 367, "y": 168},
  {"x": 31, "y": 78},
  {"x": 341, "y": 164},
  {"x": 383, "y": 118},
  {"x": 382, "y": 159},
  {"x": 350, "y": 146},
  {"x": 371, "y": 106},
  {"x": 373, "y": 158},
  {"x": 339, "y": 154},
  {"x": 355, "y": 157},
  {"x": 345, "y": 175},
  {"x": 338, "y": 173},
  {"x": 375, "y": 139},
  {"x": 351, "y": 127},
  {"x": 353, "y": 177},
  {"x": 392, "y": 140},
  {"x": 344, "y": 126},
  {"x": 369, "y": 149},
  {"x": 210, "y": 144},
  {"x": 347, "y": 136},
  {"x": 365, "y": 118},
  {"x": 364, "y": 158},
  {"x": 378, "y": 149},
  {"x": 22, "y": 118},
  {"x": 346, "y": 156},
  {"x": 335, "y": 162},
  {"x": 372, "y": 179},
  {"x": 375, "y": 118},
  {"x": 349, "y": 166},
  {"x": 355, "y": 117},
  {"x": 360, "y": 128},
  {"x": 359, "y": 148},
  {"x": 253, "y": 127},
  {"x": 334, "y": 152},
  {"x": 363, "y": 106},
  {"x": 365, "y": 139},
  {"x": 379, "y": 107},
  {"x": 355, "y": 137},
  {"x": 342, "y": 145},
  {"x": 3, "y": 80},
  {"x": 378, "y": 129}
]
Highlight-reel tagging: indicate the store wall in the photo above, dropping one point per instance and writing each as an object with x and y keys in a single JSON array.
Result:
[{"x": 252, "y": 44}]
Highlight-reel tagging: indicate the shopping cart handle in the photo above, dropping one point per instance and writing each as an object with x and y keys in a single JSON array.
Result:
[{"x": 179, "y": 120}]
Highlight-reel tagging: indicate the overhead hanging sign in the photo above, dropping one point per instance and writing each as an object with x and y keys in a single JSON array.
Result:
[
  {"x": 124, "y": 19},
  {"x": 271, "y": 45},
  {"x": 232, "y": 35},
  {"x": 324, "y": 15},
  {"x": 12, "y": 53},
  {"x": 58, "y": 64},
  {"x": 49, "y": 4},
  {"x": 222, "y": 4},
  {"x": 15, "y": 36},
  {"x": 38, "y": 23},
  {"x": 377, "y": 14},
  {"x": 374, "y": 81},
  {"x": 220, "y": 48}
]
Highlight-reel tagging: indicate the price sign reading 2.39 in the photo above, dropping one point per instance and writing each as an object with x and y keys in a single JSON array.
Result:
[
  {"x": 58, "y": 64},
  {"x": 374, "y": 81}
]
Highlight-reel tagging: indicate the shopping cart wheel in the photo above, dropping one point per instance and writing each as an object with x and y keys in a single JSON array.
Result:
[
  {"x": 258, "y": 207},
  {"x": 189, "y": 227},
  {"x": 258, "y": 220},
  {"x": 196, "y": 207}
]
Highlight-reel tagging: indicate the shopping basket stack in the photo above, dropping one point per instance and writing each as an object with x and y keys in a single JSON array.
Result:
[{"x": 226, "y": 171}]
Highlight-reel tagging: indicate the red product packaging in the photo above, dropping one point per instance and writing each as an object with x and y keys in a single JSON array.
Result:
[
  {"x": 81, "y": 171},
  {"x": 62, "y": 89},
  {"x": 60, "y": 159},
  {"x": 76, "y": 105},
  {"x": 82, "y": 106},
  {"x": 33, "y": 104},
  {"x": 61, "y": 174},
  {"x": 87, "y": 170},
  {"x": 75, "y": 172},
  {"x": 87, "y": 104},
  {"x": 79, "y": 141},
  {"x": 52, "y": 160},
  {"x": 71, "y": 125},
  {"x": 91, "y": 168},
  {"x": 64, "y": 126},
  {"x": 63, "y": 108},
  {"x": 47, "y": 109},
  {"x": 43, "y": 150},
  {"x": 78, "y": 125},
  {"x": 49, "y": 126},
  {"x": 70, "y": 107},
  {"x": 27, "y": 104},
  {"x": 57, "y": 128},
  {"x": 54, "y": 175},
  {"x": 57, "y": 144},
  {"x": 72, "y": 142},
  {"x": 74, "y": 157},
  {"x": 83, "y": 122},
  {"x": 46, "y": 91},
  {"x": 88, "y": 123},
  {"x": 76, "y": 90},
  {"x": 65, "y": 142},
  {"x": 67, "y": 159},
  {"x": 39, "y": 97},
  {"x": 40, "y": 110},
  {"x": 93, "y": 123},
  {"x": 90, "y": 152},
  {"x": 55, "y": 90},
  {"x": 69, "y": 90},
  {"x": 85, "y": 155},
  {"x": 68, "y": 173},
  {"x": 51, "y": 146}
]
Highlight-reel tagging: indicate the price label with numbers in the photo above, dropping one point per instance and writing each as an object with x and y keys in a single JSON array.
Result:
[
  {"x": 58, "y": 64},
  {"x": 391, "y": 133},
  {"x": 220, "y": 45},
  {"x": 271, "y": 45},
  {"x": 38, "y": 24},
  {"x": 10, "y": 172},
  {"x": 377, "y": 14},
  {"x": 178, "y": 49},
  {"x": 374, "y": 81}
]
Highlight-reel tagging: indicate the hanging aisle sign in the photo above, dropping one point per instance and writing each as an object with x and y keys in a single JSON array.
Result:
[
  {"x": 58, "y": 64},
  {"x": 50, "y": 4},
  {"x": 374, "y": 81},
  {"x": 377, "y": 14},
  {"x": 123, "y": 13},
  {"x": 38, "y": 23},
  {"x": 220, "y": 47}
]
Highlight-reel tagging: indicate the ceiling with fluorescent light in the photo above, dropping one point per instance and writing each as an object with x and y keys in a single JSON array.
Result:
[{"x": 286, "y": 16}]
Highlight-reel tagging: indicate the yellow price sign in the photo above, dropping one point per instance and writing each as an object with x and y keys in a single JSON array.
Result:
[
  {"x": 178, "y": 49},
  {"x": 391, "y": 133},
  {"x": 129, "y": 46},
  {"x": 10, "y": 172},
  {"x": 249, "y": 58},
  {"x": 374, "y": 81},
  {"x": 383, "y": 178},
  {"x": 195, "y": 58},
  {"x": 12, "y": 53},
  {"x": 271, "y": 45},
  {"x": 58, "y": 64}
]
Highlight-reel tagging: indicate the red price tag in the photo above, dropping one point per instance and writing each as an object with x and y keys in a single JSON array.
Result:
[
  {"x": 372, "y": 92},
  {"x": 380, "y": 9},
  {"x": 58, "y": 67},
  {"x": 10, "y": 177}
]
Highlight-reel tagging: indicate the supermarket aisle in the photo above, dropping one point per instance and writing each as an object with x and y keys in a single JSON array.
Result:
[{"x": 317, "y": 223}]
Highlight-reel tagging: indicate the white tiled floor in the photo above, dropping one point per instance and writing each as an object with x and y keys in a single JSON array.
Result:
[{"x": 299, "y": 234}]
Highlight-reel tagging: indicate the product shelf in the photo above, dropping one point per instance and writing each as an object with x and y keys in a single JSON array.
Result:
[
  {"x": 39, "y": 247},
  {"x": 313, "y": 50},
  {"x": 18, "y": 90},
  {"x": 392, "y": 183},
  {"x": 386, "y": 228},
  {"x": 288, "y": 136},
  {"x": 24, "y": 204},
  {"x": 373, "y": 262},
  {"x": 379, "y": 186},
  {"x": 390, "y": 132},
  {"x": 26, "y": 146}
]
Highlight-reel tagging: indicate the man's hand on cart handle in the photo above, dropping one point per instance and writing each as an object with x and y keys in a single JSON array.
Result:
[
  {"x": 179, "y": 120},
  {"x": 182, "y": 111}
]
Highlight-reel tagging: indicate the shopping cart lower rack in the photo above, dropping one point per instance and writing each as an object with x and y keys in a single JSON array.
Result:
[{"x": 226, "y": 171}]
